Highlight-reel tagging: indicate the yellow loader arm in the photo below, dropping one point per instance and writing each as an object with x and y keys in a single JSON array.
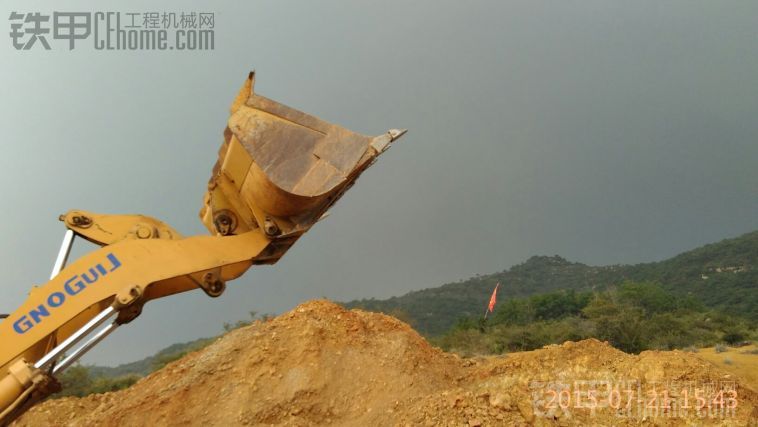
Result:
[{"x": 279, "y": 171}]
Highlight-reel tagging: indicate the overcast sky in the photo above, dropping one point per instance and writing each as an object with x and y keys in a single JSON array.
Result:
[{"x": 606, "y": 132}]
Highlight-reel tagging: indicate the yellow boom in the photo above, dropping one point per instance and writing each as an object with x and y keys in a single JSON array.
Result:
[{"x": 279, "y": 171}]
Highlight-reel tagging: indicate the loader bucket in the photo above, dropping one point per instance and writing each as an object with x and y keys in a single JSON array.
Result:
[{"x": 280, "y": 169}]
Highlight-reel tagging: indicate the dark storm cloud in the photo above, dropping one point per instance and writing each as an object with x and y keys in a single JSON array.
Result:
[{"x": 607, "y": 132}]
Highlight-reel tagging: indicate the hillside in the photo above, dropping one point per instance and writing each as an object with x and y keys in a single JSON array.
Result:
[
  {"x": 320, "y": 364},
  {"x": 722, "y": 275},
  {"x": 147, "y": 365},
  {"x": 632, "y": 317}
]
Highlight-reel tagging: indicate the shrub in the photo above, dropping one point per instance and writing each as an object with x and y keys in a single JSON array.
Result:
[
  {"x": 734, "y": 337},
  {"x": 77, "y": 381},
  {"x": 632, "y": 317}
]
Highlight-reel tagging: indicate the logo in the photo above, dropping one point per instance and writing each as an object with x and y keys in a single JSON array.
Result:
[
  {"x": 71, "y": 288},
  {"x": 114, "y": 30}
]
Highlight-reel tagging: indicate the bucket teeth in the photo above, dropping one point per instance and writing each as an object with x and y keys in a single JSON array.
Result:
[{"x": 381, "y": 143}]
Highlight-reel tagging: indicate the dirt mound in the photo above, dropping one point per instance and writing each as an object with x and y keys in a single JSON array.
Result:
[
  {"x": 589, "y": 383},
  {"x": 322, "y": 364}
]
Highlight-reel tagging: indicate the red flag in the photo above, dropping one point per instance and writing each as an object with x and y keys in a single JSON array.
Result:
[{"x": 493, "y": 298}]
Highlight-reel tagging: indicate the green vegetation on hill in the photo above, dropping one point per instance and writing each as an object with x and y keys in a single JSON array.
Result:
[
  {"x": 81, "y": 380},
  {"x": 721, "y": 275},
  {"x": 632, "y": 317},
  {"x": 78, "y": 381},
  {"x": 149, "y": 364}
]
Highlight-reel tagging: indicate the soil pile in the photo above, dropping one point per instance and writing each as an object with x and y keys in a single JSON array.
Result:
[{"x": 320, "y": 364}]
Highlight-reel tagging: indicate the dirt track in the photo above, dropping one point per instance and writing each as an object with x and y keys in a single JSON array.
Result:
[{"x": 321, "y": 364}]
